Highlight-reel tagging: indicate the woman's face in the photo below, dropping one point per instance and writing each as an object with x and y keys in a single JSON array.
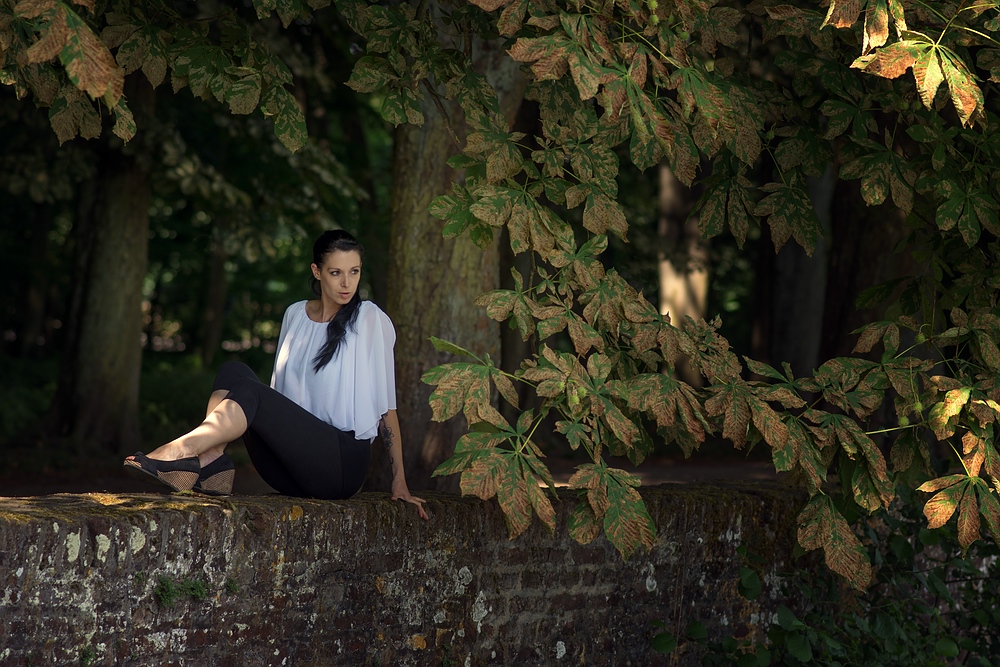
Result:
[{"x": 339, "y": 275}]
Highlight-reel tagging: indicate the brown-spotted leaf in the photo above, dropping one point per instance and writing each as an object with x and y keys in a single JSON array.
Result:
[
  {"x": 968, "y": 519},
  {"x": 541, "y": 504},
  {"x": 585, "y": 477},
  {"x": 965, "y": 94},
  {"x": 29, "y": 9},
  {"x": 583, "y": 525},
  {"x": 490, "y": 5},
  {"x": 939, "y": 483},
  {"x": 627, "y": 522},
  {"x": 989, "y": 507},
  {"x": 768, "y": 422},
  {"x": 821, "y": 525},
  {"x": 906, "y": 449},
  {"x": 842, "y": 13},
  {"x": 876, "y": 25},
  {"x": 928, "y": 74},
  {"x": 973, "y": 453},
  {"x": 506, "y": 388},
  {"x": 732, "y": 400},
  {"x": 603, "y": 214},
  {"x": 988, "y": 349},
  {"x": 943, "y": 416},
  {"x": 480, "y": 479},
  {"x": 514, "y": 498},
  {"x": 72, "y": 113},
  {"x": 891, "y": 61},
  {"x": 512, "y": 17},
  {"x": 944, "y": 503},
  {"x": 623, "y": 427},
  {"x": 870, "y": 335},
  {"x": 462, "y": 386},
  {"x": 846, "y": 556}
]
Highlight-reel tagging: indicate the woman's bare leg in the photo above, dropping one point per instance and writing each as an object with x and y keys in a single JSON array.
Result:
[
  {"x": 226, "y": 422},
  {"x": 216, "y": 397},
  {"x": 213, "y": 402}
]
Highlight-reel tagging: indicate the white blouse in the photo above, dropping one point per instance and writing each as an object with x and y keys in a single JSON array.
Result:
[{"x": 357, "y": 386}]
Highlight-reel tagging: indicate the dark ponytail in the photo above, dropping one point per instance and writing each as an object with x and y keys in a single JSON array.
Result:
[{"x": 332, "y": 241}]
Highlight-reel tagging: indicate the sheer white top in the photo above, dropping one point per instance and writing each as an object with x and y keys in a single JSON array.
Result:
[{"x": 356, "y": 387}]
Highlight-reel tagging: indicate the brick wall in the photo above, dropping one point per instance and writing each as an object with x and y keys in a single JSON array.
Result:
[{"x": 147, "y": 579}]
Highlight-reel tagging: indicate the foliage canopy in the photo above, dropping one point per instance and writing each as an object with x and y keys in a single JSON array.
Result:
[
  {"x": 888, "y": 91},
  {"x": 899, "y": 95}
]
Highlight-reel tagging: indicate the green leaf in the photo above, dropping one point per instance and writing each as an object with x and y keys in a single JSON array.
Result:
[
  {"x": 124, "y": 127},
  {"x": 664, "y": 642},
  {"x": 726, "y": 202},
  {"x": 799, "y": 648},
  {"x": 469, "y": 448},
  {"x": 946, "y": 647},
  {"x": 402, "y": 105},
  {"x": 371, "y": 74},
  {"x": 244, "y": 93},
  {"x": 576, "y": 434},
  {"x": 289, "y": 123},
  {"x": 750, "y": 585},
  {"x": 450, "y": 348},
  {"x": 787, "y": 619},
  {"x": 881, "y": 170},
  {"x": 801, "y": 148},
  {"x": 790, "y": 214}
]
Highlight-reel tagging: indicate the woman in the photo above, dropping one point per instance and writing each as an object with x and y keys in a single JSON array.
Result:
[{"x": 332, "y": 391}]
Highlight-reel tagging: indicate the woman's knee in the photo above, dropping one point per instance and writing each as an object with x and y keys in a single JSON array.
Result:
[
  {"x": 231, "y": 373},
  {"x": 246, "y": 393}
]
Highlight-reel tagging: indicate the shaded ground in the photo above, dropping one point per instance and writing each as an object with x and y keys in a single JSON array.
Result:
[{"x": 112, "y": 478}]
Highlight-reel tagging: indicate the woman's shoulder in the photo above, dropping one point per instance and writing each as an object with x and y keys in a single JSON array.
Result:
[
  {"x": 370, "y": 309},
  {"x": 371, "y": 315},
  {"x": 295, "y": 310}
]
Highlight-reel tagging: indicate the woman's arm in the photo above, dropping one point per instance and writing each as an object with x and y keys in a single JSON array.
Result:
[{"x": 388, "y": 428}]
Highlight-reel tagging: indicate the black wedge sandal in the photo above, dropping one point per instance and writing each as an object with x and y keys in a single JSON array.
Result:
[
  {"x": 216, "y": 479},
  {"x": 179, "y": 475}
]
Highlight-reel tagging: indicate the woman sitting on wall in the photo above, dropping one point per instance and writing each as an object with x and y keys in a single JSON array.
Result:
[{"x": 332, "y": 391}]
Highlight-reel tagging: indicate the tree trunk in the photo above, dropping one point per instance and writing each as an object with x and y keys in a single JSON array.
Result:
[
  {"x": 683, "y": 262},
  {"x": 800, "y": 289},
  {"x": 858, "y": 259},
  {"x": 96, "y": 403},
  {"x": 434, "y": 281}
]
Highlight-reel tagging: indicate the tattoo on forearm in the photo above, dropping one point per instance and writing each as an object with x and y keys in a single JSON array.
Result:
[{"x": 387, "y": 438}]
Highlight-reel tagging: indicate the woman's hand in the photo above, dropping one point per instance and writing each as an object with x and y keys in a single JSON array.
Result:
[{"x": 402, "y": 492}]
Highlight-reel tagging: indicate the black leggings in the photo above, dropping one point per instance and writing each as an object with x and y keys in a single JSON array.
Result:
[{"x": 294, "y": 451}]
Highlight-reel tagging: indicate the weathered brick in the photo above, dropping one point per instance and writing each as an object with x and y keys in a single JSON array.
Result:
[{"x": 363, "y": 582}]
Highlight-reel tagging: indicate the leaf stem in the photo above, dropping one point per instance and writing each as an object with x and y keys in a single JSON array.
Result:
[
  {"x": 890, "y": 430},
  {"x": 980, "y": 34},
  {"x": 960, "y": 459}
]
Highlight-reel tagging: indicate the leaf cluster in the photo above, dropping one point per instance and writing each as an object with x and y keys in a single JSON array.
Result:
[
  {"x": 73, "y": 57},
  {"x": 662, "y": 81}
]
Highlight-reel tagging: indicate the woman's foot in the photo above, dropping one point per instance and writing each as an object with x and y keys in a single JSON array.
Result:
[
  {"x": 172, "y": 451},
  {"x": 179, "y": 475}
]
